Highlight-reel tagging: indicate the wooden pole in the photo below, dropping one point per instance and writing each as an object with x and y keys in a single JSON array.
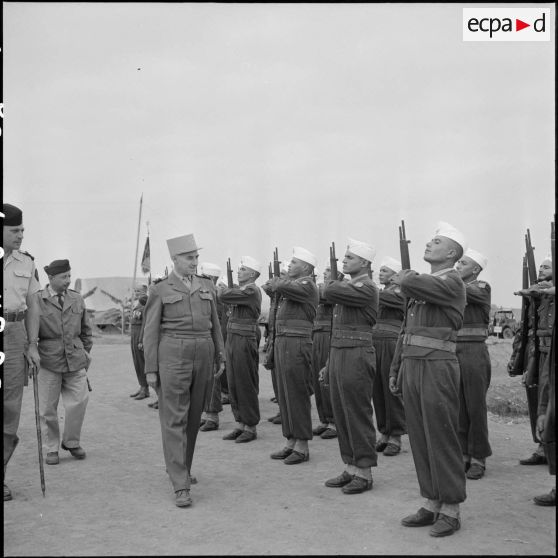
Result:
[{"x": 135, "y": 261}]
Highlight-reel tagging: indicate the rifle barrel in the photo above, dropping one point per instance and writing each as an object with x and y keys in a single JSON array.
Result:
[{"x": 38, "y": 427}]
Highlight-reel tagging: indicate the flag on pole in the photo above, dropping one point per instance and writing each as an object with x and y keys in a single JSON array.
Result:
[{"x": 146, "y": 258}]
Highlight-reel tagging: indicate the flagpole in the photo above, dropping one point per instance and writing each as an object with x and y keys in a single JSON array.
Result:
[{"x": 136, "y": 259}]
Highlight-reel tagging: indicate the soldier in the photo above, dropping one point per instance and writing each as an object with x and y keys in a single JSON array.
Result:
[
  {"x": 183, "y": 345},
  {"x": 242, "y": 350},
  {"x": 213, "y": 405},
  {"x": 351, "y": 367},
  {"x": 541, "y": 315},
  {"x": 19, "y": 310},
  {"x": 546, "y": 422},
  {"x": 474, "y": 363},
  {"x": 425, "y": 369},
  {"x": 390, "y": 414},
  {"x": 321, "y": 334},
  {"x": 64, "y": 340},
  {"x": 293, "y": 354},
  {"x": 136, "y": 331}
]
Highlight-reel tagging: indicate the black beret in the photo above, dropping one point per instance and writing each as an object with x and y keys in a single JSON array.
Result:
[
  {"x": 13, "y": 217},
  {"x": 57, "y": 266}
]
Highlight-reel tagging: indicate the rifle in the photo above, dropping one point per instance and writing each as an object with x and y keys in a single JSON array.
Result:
[
  {"x": 404, "y": 247},
  {"x": 334, "y": 274},
  {"x": 274, "y": 271},
  {"x": 229, "y": 274},
  {"x": 38, "y": 427},
  {"x": 518, "y": 365},
  {"x": 530, "y": 259}
]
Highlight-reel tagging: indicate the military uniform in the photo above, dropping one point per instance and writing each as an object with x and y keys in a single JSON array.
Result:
[
  {"x": 181, "y": 339},
  {"x": 293, "y": 354},
  {"x": 242, "y": 351},
  {"x": 427, "y": 372},
  {"x": 474, "y": 363},
  {"x": 20, "y": 282},
  {"x": 390, "y": 414},
  {"x": 321, "y": 333},
  {"x": 65, "y": 340},
  {"x": 352, "y": 367},
  {"x": 136, "y": 335}
]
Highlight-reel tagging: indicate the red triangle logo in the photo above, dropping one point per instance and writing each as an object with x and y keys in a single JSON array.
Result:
[{"x": 519, "y": 25}]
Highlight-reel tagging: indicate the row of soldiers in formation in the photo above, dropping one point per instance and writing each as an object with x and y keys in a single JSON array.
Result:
[{"x": 416, "y": 349}]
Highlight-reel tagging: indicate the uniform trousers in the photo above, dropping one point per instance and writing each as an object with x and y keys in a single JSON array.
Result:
[
  {"x": 431, "y": 398},
  {"x": 320, "y": 354},
  {"x": 243, "y": 378},
  {"x": 137, "y": 354},
  {"x": 293, "y": 366},
  {"x": 72, "y": 386},
  {"x": 390, "y": 414},
  {"x": 474, "y": 363},
  {"x": 351, "y": 377},
  {"x": 13, "y": 380},
  {"x": 185, "y": 377}
]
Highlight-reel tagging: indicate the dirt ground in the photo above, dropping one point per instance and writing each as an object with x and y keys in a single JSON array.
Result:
[{"x": 118, "y": 501}]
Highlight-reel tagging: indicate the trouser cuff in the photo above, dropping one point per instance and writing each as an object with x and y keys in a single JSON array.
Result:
[
  {"x": 451, "y": 510},
  {"x": 433, "y": 505}
]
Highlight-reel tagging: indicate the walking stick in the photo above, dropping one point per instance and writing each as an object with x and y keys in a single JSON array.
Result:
[{"x": 38, "y": 426}]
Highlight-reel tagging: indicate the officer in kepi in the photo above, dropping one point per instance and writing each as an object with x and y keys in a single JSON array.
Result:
[
  {"x": 183, "y": 348},
  {"x": 19, "y": 309}
]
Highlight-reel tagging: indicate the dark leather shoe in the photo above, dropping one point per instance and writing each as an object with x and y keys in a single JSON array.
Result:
[
  {"x": 546, "y": 499},
  {"x": 328, "y": 434},
  {"x": 273, "y": 399},
  {"x": 357, "y": 485},
  {"x": 277, "y": 419},
  {"x": 381, "y": 445},
  {"x": 182, "y": 498},
  {"x": 535, "y": 459},
  {"x": 52, "y": 458},
  {"x": 209, "y": 425},
  {"x": 444, "y": 526},
  {"x": 271, "y": 419},
  {"x": 154, "y": 405},
  {"x": 296, "y": 457},
  {"x": 475, "y": 472},
  {"x": 143, "y": 394},
  {"x": 337, "y": 482},
  {"x": 392, "y": 449},
  {"x": 420, "y": 519},
  {"x": 233, "y": 435},
  {"x": 246, "y": 436},
  {"x": 7, "y": 493},
  {"x": 282, "y": 454},
  {"x": 319, "y": 429},
  {"x": 78, "y": 453},
  {"x": 135, "y": 393},
  {"x": 467, "y": 465},
  {"x": 225, "y": 400}
]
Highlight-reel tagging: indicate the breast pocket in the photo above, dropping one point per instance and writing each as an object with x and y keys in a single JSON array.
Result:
[
  {"x": 22, "y": 279},
  {"x": 173, "y": 306},
  {"x": 204, "y": 301}
]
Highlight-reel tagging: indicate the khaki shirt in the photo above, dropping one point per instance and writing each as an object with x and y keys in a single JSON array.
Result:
[{"x": 20, "y": 280}]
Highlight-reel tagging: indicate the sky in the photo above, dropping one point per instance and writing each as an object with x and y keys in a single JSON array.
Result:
[{"x": 255, "y": 126}]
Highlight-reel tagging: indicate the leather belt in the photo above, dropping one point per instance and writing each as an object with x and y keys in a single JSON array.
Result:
[
  {"x": 15, "y": 316},
  {"x": 384, "y": 326},
  {"x": 235, "y": 326},
  {"x": 429, "y": 342},
  {"x": 470, "y": 331},
  {"x": 544, "y": 333},
  {"x": 186, "y": 335},
  {"x": 352, "y": 334}
]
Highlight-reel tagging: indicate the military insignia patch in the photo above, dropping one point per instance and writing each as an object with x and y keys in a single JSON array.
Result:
[
  {"x": 482, "y": 284},
  {"x": 359, "y": 284},
  {"x": 305, "y": 282}
]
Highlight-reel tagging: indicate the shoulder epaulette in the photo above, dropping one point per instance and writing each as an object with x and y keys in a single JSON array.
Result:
[
  {"x": 27, "y": 254},
  {"x": 158, "y": 280}
]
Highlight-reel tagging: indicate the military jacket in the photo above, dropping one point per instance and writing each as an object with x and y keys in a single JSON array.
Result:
[
  {"x": 246, "y": 305},
  {"x": 65, "y": 334},
  {"x": 179, "y": 311},
  {"x": 299, "y": 299},
  {"x": 477, "y": 312}
]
